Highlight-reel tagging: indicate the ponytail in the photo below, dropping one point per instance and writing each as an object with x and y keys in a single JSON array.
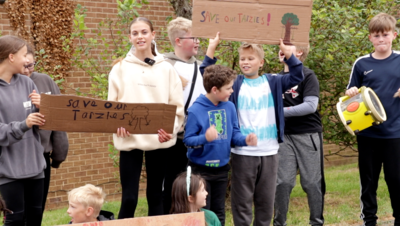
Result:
[{"x": 153, "y": 48}]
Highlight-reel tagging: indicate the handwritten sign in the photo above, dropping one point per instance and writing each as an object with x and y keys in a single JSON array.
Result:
[
  {"x": 253, "y": 21},
  {"x": 184, "y": 219},
  {"x": 82, "y": 114}
]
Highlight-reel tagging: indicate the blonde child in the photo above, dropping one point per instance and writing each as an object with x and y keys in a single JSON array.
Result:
[
  {"x": 187, "y": 66},
  {"x": 133, "y": 80},
  {"x": 21, "y": 154},
  {"x": 85, "y": 205},
  {"x": 192, "y": 198}
]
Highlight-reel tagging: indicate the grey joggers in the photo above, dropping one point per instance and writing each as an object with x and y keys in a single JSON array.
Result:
[
  {"x": 253, "y": 179},
  {"x": 303, "y": 152}
]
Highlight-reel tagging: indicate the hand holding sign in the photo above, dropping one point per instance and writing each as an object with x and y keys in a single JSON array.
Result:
[
  {"x": 35, "y": 98},
  {"x": 35, "y": 119},
  {"x": 212, "y": 45},
  {"x": 122, "y": 132},
  {"x": 163, "y": 136},
  {"x": 288, "y": 50}
]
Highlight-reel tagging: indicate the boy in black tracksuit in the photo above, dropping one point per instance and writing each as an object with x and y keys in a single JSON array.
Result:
[{"x": 379, "y": 145}]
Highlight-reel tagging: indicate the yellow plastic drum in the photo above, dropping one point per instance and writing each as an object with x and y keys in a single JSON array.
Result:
[{"x": 361, "y": 111}]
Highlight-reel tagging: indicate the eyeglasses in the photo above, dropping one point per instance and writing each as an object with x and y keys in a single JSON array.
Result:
[
  {"x": 194, "y": 38},
  {"x": 31, "y": 66}
]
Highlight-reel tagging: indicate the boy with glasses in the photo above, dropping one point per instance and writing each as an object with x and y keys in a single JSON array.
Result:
[{"x": 187, "y": 66}]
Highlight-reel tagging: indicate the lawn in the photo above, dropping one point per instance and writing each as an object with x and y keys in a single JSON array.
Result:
[{"x": 342, "y": 204}]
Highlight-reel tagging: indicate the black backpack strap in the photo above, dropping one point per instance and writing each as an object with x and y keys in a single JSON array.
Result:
[{"x": 192, "y": 87}]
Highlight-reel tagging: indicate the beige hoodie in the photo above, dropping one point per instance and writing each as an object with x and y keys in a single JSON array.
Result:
[{"x": 134, "y": 81}]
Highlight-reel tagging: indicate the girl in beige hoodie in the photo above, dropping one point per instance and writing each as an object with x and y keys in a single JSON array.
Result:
[{"x": 134, "y": 81}]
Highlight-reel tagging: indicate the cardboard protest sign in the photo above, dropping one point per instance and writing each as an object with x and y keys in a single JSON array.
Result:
[
  {"x": 82, "y": 114},
  {"x": 184, "y": 219},
  {"x": 253, "y": 21}
]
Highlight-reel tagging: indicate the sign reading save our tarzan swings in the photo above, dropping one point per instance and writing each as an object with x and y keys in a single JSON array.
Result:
[
  {"x": 82, "y": 114},
  {"x": 253, "y": 21}
]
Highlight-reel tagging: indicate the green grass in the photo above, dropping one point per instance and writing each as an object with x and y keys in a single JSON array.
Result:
[{"x": 342, "y": 204}]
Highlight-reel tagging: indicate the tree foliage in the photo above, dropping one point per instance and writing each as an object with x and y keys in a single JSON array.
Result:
[
  {"x": 95, "y": 54},
  {"x": 338, "y": 36},
  {"x": 49, "y": 21}
]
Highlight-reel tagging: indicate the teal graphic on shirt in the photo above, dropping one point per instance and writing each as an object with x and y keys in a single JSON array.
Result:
[{"x": 218, "y": 119}]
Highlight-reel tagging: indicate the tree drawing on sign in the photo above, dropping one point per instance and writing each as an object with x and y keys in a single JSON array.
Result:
[
  {"x": 139, "y": 114},
  {"x": 289, "y": 20}
]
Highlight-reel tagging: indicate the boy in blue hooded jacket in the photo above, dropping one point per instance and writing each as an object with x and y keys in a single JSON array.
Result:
[{"x": 212, "y": 126}]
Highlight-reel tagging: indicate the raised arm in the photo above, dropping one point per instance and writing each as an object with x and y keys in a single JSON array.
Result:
[
  {"x": 295, "y": 75},
  {"x": 209, "y": 58}
]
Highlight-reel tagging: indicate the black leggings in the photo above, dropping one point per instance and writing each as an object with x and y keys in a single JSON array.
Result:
[
  {"x": 130, "y": 168},
  {"x": 46, "y": 183},
  {"x": 24, "y": 198},
  {"x": 177, "y": 164}
]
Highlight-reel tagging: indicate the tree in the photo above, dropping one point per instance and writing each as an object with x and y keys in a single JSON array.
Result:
[
  {"x": 289, "y": 19},
  {"x": 138, "y": 114},
  {"x": 182, "y": 8}
]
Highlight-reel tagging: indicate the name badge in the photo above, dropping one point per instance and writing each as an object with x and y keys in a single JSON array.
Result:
[{"x": 27, "y": 104}]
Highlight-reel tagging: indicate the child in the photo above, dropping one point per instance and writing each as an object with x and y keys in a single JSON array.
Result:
[
  {"x": 85, "y": 205},
  {"x": 258, "y": 100},
  {"x": 379, "y": 145},
  {"x": 187, "y": 66},
  {"x": 134, "y": 81},
  {"x": 302, "y": 147},
  {"x": 211, "y": 128},
  {"x": 21, "y": 154},
  {"x": 55, "y": 142},
  {"x": 192, "y": 200}
]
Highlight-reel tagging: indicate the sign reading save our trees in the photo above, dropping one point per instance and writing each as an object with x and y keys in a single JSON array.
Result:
[
  {"x": 253, "y": 21},
  {"x": 82, "y": 114}
]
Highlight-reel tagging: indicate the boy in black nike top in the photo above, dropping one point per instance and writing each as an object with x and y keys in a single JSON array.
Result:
[{"x": 379, "y": 145}]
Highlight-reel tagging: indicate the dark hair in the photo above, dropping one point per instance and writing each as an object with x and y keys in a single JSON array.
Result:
[
  {"x": 10, "y": 45},
  {"x": 148, "y": 22},
  {"x": 31, "y": 49},
  {"x": 179, "y": 197},
  {"x": 3, "y": 208},
  {"x": 218, "y": 76}
]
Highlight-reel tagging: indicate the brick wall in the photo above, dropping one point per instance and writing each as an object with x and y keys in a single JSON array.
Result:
[{"x": 88, "y": 160}]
